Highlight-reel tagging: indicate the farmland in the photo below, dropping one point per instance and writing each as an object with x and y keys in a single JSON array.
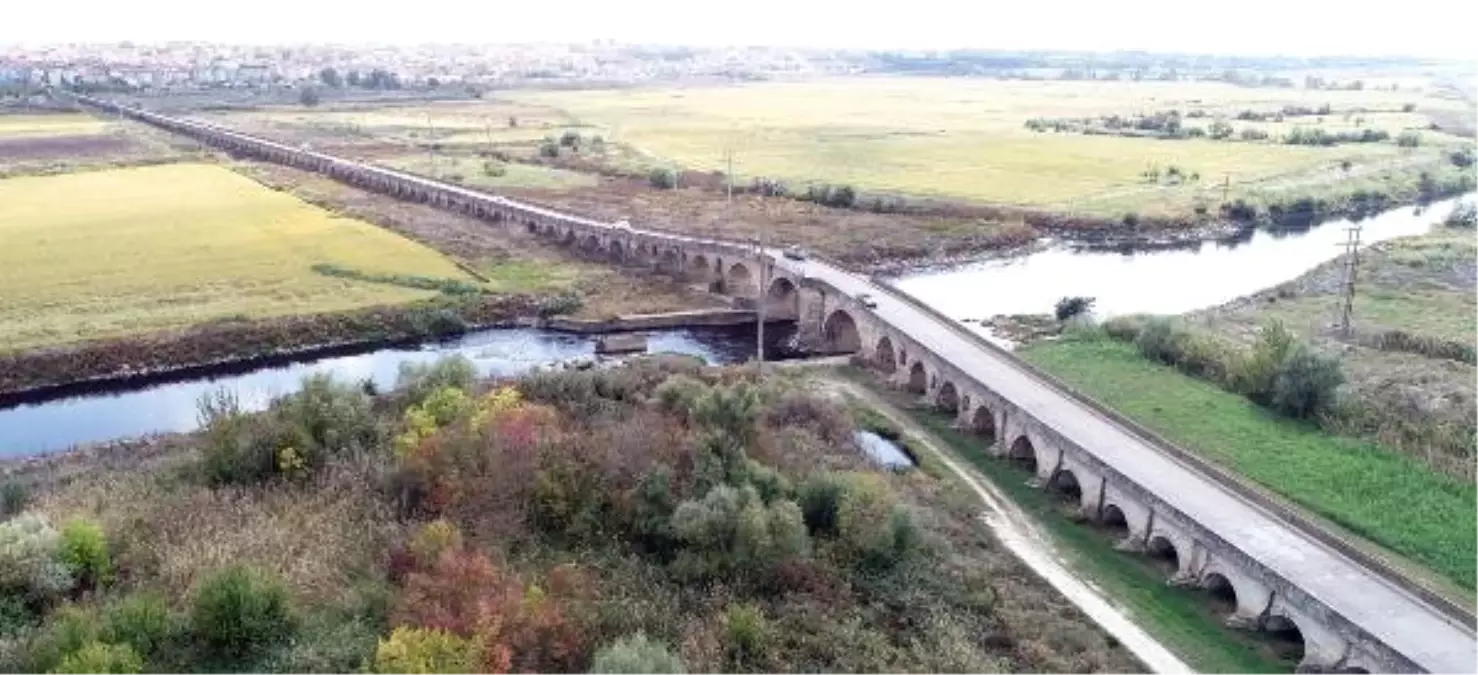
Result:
[
  {"x": 129, "y": 251},
  {"x": 32, "y": 144},
  {"x": 956, "y": 151}
]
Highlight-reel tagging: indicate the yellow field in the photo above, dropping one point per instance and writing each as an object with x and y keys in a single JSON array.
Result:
[
  {"x": 50, "y": 125},
  {"x": 123, "y": 251},
  {"x": 964, "y": 138}
]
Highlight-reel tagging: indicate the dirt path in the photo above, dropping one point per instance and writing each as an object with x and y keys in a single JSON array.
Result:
[{"x": 1016, "y": 531}]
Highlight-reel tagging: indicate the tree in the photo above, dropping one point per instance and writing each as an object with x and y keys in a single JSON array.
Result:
[
  {"x": 1306, "y": 383},
  {"x": 433, "y": 82},
  {"x": 353, "y": 79},
  {"x": 663, "y": 179},
  {"x": 330, "y": 77},
  {"x": 636, "y": 654},
  {"x": 308, "y": 97}
]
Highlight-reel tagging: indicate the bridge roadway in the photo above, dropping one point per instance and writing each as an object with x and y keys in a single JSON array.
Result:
[
  {"x": 1395, "y": 617},
  {"x": 1392, "y": 615}
]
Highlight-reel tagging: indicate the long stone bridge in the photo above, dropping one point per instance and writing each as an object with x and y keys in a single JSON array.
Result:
[{"x": 1354, "y": 614}]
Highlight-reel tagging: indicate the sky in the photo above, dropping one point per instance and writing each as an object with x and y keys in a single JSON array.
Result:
[{"x": 1434, "y": 28}]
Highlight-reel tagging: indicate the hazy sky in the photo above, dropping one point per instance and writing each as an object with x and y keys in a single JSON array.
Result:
[{"x": 1295, "y": 27}]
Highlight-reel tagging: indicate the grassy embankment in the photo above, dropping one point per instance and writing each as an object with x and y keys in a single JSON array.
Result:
[
  {"x": 1378, "y": 494},
  {"x": 130, "y": 251},
  {"x": 1185, "y": 620},
  {"x": 534, "y": 528}
]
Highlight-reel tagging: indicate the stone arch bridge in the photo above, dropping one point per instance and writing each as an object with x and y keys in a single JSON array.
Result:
[{"x": 1353, "y": 613}]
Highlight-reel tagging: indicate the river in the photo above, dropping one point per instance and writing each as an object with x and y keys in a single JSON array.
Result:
[
  {"x": 170, "y": 404},
  {"x": 1155, "y": 282},
  {"x": 1170, "y": 281}
]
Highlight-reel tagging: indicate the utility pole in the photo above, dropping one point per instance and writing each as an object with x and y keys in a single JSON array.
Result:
[
  {"x": 1226, "y": 187},
  {"x": 1347, "y": 290},
  {"x": 729, "y": 173},
  {"x": 431, "y": 145},
  {"x": 764, "y": 295}
]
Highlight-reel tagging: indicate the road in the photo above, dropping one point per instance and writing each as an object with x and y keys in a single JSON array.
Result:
[{"x": 1392, "y": 615}]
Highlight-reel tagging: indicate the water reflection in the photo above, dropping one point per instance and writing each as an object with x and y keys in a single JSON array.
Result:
[
  {"x": 883, "y": 451},
  {"x": 1163, "y": 282},
  {"x": 170, "y": 406}
]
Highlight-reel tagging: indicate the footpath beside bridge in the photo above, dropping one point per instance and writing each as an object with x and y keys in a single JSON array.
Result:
[{"x": 1354, "y": 614}]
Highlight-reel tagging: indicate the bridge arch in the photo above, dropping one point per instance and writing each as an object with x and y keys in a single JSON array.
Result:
[
  {"x": 1065, "y": 484},
  {"x": 883, "y": 356},
  {"x": 1162, "y": 550},
  {"x": 590, "y": 244},
  {"x": 1115, "y": 522},
  {"x": 1023, "y": 454},
  {"x": 918, "y": 378},
  {"x": 840, "y": 332},
  {"x": 739, "y": 279},
  {"x": 615, "y": 251},
  {"x": 698, "y": 266},
  {"x": 948, "y": 398},
  {"x": 1222, "y": 592},
  {"x": 780, "y": 299},
  {"x": 983, "y": 422},
  {"x": 1288, "y": 640},
  {"x": 670, "y": 262}
]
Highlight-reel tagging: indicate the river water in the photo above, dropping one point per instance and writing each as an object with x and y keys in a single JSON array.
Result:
[
  {"x": 1159, "y": 282},
  {"x": 51, "y": 425},
  {"x": 1155, "y": 282}
]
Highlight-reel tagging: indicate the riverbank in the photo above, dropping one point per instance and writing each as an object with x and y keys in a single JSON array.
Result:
[{"x": 44, "y": 373}]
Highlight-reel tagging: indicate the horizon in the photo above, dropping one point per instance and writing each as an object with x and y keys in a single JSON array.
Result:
[{"x": 1255, "y": 28}]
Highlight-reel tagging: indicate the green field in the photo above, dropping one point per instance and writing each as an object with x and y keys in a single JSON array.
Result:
[
  {"x": 124, "y": 251},
  {"x": 50, "y": 125},
  {"x": 964, "y": 138},
  {"x": 472, "y": 171},
  {"x": 1377, "y": 494}
]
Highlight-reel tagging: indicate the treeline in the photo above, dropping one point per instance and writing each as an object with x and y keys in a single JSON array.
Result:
[
  {"x": 377, "y": 78},
  {"x": 1173, "y": 125}
]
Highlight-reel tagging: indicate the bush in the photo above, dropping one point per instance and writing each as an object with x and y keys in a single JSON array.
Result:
[
  {"x": 241, "y": 613},
  {"x": 419, "y": 380},
  {"x": 98, "y": 657},
  {"x": 662, "y": 179},
  {"x": 84, "y": 550},
  {"x": 65, "y": 634},
  {"x": 730, "y": 532},
  {"x": 494, "y": 169},
  {"x": 1464, "y": 215},
  {"x": 141, "y": 620},
  {"x": 819, "y": 497},
  {"x": 549, "y": 148},
  {"x": 564, "y": 303},
  {"x": 636, "y": 654},
  {"x": 1124, "y": 328},
  {"x": 332, "y": 417},
  {"x": 748, "y": 632},
  {"x": 1069, "y": 307},
  {"x": 29, "y": 563},
  {"x": 1409, "y": 139},
  {"x": 877, "y": 531},
  {"x": 15, "y": 496},
  {"x": 1255, "y": 378},
  {"x": 1160, "y": 340},
  {"x": 1306, "y": 383},
  {"x": 570, "y": 139},
  {"x": 425, "y": 650}
]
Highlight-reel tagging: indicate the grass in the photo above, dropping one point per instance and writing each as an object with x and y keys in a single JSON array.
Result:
[
  {"x": 50, "y": 125},
  {"x": 1183, "y": 619},
  {"x": 143, "y": 249},
  {"x": 965, "y": 139},
  {"x": 1385, "y": 497},
  {"x": 514, "y": 174}
]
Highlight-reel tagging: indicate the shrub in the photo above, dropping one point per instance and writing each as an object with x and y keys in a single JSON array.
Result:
[
  {"x": 240, "y": 612},
  {"x": 876, "y": 530},
  {"x": 84, "y": 550},
  {"x": 1409, "y": 139},
  {"x": 15, "y": 496},
  {"x": 1306, "y": 383},
  {"x": 434, "y": 540},
  {"x": 425, "y": 650},
  {"x": 16, "y": 615},
  {"x": 98, "y": 657},
  {"x": 748, "y": 632},
  {"x": 69, "y": 630},
  {"x": 331, "y": 417},
  {"x": 731, "y": 532},
  {"x": 570, "y": 139},
  {"x": 1124, "y": 328},
  {"x": 1069, "y": 307},
  {"x": 819, "y": 497},
  {"x": 1464, "y": 215},
  {"x": 731, "y": 410},
  {"x": 679, "y": 393},
  {"x": 1255, "y": 378},
  {"x": 29, "y": 563},
  {"x": 549, "y": 148},
  {"x": 419, "y": 380},
  {"x": 662, "y": 179},
  {"x": 494, "y": 169},
  {"x": 141, "y": 620},
  {"x": 1160, "y": 340},
  {"x": 563, "y": 303},
  {"x": 636, "y": 654}
]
